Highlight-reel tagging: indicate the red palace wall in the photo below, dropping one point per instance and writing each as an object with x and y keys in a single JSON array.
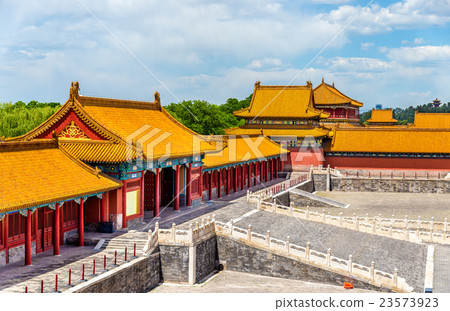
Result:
[
  {"x": 385, "y": 162},
  {"x": 299, "y": 160}
]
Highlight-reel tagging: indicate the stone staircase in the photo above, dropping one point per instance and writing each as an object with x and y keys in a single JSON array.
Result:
[{"x": 127, "y": 240}]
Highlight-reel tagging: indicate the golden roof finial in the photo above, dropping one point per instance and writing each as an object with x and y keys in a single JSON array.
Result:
[
  {"x": 309, "y": 84},
  {"x": 322, "y": 80}
]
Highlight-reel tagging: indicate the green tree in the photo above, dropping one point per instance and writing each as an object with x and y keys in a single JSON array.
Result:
[{"x": 19, "y": 118}]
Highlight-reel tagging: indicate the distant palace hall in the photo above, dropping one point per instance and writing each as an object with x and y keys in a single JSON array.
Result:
[{"x": 101, "y": 164}]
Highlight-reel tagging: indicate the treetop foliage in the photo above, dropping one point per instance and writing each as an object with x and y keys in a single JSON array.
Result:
[{"x": 20, "y": 118}]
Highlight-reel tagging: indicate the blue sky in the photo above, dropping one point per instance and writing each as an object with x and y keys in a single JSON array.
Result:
[{"x": 393, "y": 53}]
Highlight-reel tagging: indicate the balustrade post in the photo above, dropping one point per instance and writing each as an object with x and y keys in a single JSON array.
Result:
[
  {"x": 191, "y": 233},
  {"x": 231, "y": 227},
  {"x": 157, "y": 228},
  {"x": 288, "y": 244},
  {"x": 395, "y": 278},
  {"x": 328, "y": 257},
  {"x": 274, "y": 205},
  {"x": 291, "y": 208},
  {"x": 268, "y": 238},
  {"x": 372, "y": 271},
  {"x": 324, "y": 219},
  {"x": 340, "y": 218},
  {"x": 307, "y": 250},
  {"x": 432, "y": 223},
  {"x": 374, "y": 227},
  {"x": 367, "y": 218},
  {"x": 249, "y": 233},
  {"x": 350, "y": 263},
  {"x": 392, "y": 220},
  {"x": 173, "y": 232}
]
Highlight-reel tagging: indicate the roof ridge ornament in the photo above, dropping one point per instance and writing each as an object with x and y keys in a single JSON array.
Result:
[
  {"x": 74, "y": 90},
  {"x": 257, "y": 84},
  {"x": 55, "y": 137},
  {"x": 157, "y": 99}
]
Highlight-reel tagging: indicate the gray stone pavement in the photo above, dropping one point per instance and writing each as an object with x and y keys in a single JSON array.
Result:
[
  {"x": 426, "y": 205},
  {"x": 239, "y": 282},
  {"x": 441, "y": 279}
]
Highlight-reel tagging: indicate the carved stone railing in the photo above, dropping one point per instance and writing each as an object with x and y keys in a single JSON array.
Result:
[
  {"x": 194, "y": 232},
  {"x": 269, "y": 192},
  {"x": 402, "y": 229},
  {"x": 309, "y": 256}
]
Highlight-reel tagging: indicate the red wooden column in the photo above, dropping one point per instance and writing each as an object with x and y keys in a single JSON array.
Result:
[
  {"x": 249, "y": 177},
  {"x": 56, "y": 229},
  {"x": 234, "y": 179},
  {"x": 200, "y": 183},
  {"x": 242, "y": 177},
  {"x": 255, "y": 170},
  {"x": 266, "y": 174},
  {"x": 176, "y": 194},
  {"x": 210, "y": 185},
  {"x": 156, "y": 194},
  {"x": 141, "y": 205},
  {"x": 261, "y": 168},
  {"x": 188, "y": 186},
  {"x": 219, "y": 183},
  {"x": 5, "y": 236},
  {"x": 81, "y": 223},
  {"x": 271, "y": 169},
  {"x": 28, "y": 239},
  {"x": 276, "y": 167},
  {"x": 227, "y": 185},
  {"x": 124, "y": 204}
]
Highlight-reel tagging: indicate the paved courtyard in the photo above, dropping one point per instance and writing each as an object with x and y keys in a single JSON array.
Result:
[
  {"x": 426, "y": 205},
  {"x": 239, "y": 282}
]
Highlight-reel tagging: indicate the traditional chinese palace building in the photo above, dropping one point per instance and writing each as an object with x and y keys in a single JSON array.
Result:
[
  {"x": 340, "y": 107},
  {"x": 290, "y": 116},
  {"x": 101, "y": 161}
]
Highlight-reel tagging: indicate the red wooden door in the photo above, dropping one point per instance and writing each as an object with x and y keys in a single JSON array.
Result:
[
  {"x": 39, "y": 215},
  {"x": 47, "y": 229},
  {"x": 149, "y": 191}
]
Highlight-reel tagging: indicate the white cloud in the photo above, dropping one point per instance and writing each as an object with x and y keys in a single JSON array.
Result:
[
  {"x": 420, "y": 54},
  {"x": 365, "y": 46},
  {"x": 418, "y": 41},
  {"x": 408, "y": 14},
  {"x": 331, "y": 1},
  {"x": 266, "y": 63}
]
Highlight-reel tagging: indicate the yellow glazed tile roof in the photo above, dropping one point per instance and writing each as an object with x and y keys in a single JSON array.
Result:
[
  {"x": 325, "y": 94},
  {"x": 38, "y": 172},
  {"x": 390, "y": 140},
  {"x": 314, "y": 132},
  {"x": 382, "y": 116},
  {"x": 99, "y": 151},
  {"x": 432, "y": 120},
  {"x": 242, "y": 149},
  {"x": 282, "y": 102},
  {"x": 146, "y": 122}
]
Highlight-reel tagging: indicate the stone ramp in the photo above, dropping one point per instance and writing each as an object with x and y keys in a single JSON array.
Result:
[
  {"x": 317, "y": 198},
  {"x": 441, "y": 277},
  {"x": 388, "y": 254}
]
